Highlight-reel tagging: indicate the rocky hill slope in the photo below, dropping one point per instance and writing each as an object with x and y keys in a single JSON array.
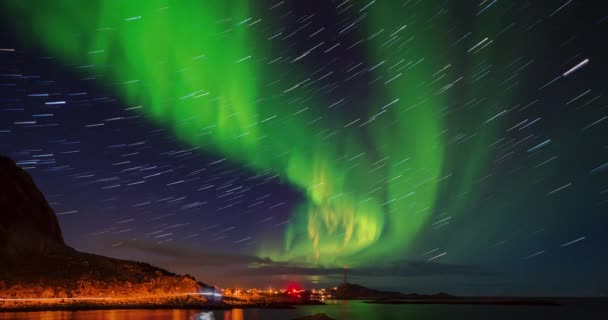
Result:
[
  {"x": 27, "y": 223},
  {"x": 36, "y": 263}
]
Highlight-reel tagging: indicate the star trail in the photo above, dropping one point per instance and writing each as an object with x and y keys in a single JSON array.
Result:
[{"x": 321, "y": 134}]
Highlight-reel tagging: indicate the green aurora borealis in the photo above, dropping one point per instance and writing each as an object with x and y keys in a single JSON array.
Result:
[{"x": 371, "y": 180}]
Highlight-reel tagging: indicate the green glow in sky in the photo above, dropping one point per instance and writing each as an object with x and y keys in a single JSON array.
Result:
[{"x": 200, "y": 69}]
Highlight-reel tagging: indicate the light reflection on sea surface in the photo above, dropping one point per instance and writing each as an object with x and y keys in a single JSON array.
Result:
[{"x": 341, "y": 310}]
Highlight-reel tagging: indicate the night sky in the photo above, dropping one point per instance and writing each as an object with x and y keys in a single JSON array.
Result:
[{"x": 457, "y": 146}]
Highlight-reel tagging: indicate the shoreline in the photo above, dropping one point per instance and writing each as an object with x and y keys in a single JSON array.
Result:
[
  {"x": 80, "y": 306},
  {"x": 203, "y": 306},
  {"x": 138, "y": 307}
]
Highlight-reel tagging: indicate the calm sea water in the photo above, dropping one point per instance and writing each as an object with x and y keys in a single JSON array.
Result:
[{"x": 342, "y": 310}]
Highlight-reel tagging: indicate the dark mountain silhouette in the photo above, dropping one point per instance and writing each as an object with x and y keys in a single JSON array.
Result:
[
  {"x": 27, "y": 223},
  {"x": 354, "y": 291},
  {"x": 348, "y": 291},
  {"x": 35, "y": 261}
]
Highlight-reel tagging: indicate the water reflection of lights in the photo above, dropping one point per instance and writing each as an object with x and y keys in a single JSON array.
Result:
[{"x": 234, "y": 314}]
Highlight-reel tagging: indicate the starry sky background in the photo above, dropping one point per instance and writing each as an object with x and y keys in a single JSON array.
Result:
[{"x": 492, "y": 112}]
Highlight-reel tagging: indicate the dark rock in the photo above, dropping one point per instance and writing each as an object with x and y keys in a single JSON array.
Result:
[
  {"x": 355, "y": 291},
  {"x": 28, "y": 224},
  {"x": 318, "y": 316},
  {"x": 349, "y": 291},
  {"x": 35, "y": 261}
]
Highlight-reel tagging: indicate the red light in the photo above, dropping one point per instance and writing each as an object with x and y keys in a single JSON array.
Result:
[{"x": 293, "y": 287}]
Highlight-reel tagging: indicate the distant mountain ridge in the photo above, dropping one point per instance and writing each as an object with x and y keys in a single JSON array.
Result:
[
  {"x": 36, "y": 263},
  {"x": 354, "y": 291}
]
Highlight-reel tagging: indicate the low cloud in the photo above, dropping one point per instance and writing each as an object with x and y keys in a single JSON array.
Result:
[
  {"x": 253, "y": 266},
  {"x": 187, "y": 255},
  {"x": 400, "y": 269}
]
